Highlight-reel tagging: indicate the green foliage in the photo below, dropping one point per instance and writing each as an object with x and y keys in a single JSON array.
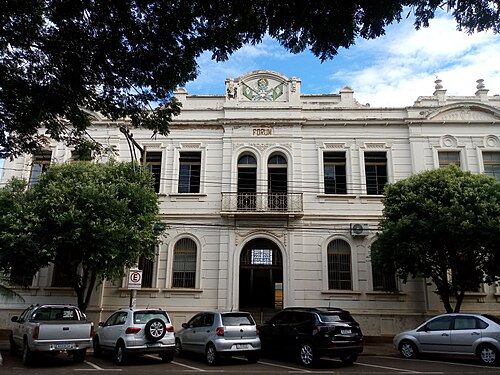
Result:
[
  {"x": 442, "y": 224},
  {"x": 92, "y": 221},
  {"x": 119, "y": 57}
]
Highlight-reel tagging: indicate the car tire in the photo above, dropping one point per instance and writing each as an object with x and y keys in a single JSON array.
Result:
[
  {"x": 167, "y": 356},
  {"x": 408, "y": 349},
  {"x": 349, "y": 359},
  {"x": 307, "y": 354},
  {"x": 211, "y": 355},
  {"x": 488, "y": 354},
  {"x": 97, "y": 347},
  {"x": 155, "y": 329},
  {"x": 120, "y": 354},
  {"x": 13, "y": 346},
  {"x": 253, "y": 357},
  {"x": 178, "y": 348},
  {"x": 79, "y": 355},
  {"x": 27, "y": 354}
]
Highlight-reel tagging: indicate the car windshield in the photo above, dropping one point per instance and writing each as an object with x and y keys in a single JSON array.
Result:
[
  {"x": 236, "y": 319},
  {"x": 330, "y": 317},
  {"x": 142, "y": 317}
]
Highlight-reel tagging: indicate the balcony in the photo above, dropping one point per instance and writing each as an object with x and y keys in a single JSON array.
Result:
[{"x": 273, "y": 204}]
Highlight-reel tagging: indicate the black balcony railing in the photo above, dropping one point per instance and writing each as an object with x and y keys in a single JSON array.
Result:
[{"x": 272, "y": 203}]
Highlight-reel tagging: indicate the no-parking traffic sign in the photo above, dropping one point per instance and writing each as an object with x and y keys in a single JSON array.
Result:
[{"x": 134, "y": 279}]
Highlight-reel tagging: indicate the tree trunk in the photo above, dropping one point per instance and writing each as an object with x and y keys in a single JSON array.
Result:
[{"x": 460, "y": 298}]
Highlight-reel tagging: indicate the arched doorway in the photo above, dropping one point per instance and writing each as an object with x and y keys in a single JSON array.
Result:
[{"x": 261, "y": 275}]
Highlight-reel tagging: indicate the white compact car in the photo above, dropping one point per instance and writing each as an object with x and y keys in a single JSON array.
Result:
[
  {"x": 458, "y": 333},
  {"x": 218, "y": 334},
  {"x": 132, "y": 331}
]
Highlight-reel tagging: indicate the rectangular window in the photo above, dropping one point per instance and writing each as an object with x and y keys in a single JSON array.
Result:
[
  {"x": 491, "y": 162},
  {"x": 335, "y": 173},
  {"x": 383, "y": 281},
  {"x": 189, "y": 172},
  {"x": 41, "y": 162},
  {"x": 147, "y": 267},
  {"x": 376, "y": 172},
  {"x": 449, "y": 157},
  {"x": 153, "y": 164}
]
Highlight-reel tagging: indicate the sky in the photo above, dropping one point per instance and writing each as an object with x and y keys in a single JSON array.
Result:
[{"x": 390, "y": 71}]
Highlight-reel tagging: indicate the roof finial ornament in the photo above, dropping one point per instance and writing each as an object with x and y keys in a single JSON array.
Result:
[
  {"x": 438, "y": 86},
  {"x": 480, "y": 84}
]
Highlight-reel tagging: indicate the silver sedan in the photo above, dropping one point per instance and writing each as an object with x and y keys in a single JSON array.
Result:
[{"x": 457, "y": 333}]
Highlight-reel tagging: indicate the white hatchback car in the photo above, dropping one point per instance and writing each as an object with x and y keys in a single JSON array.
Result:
[
  {"x": 217, "y": 334},
  {"x": 136, "y": 331},
  {"x": 458, "y": 333}
]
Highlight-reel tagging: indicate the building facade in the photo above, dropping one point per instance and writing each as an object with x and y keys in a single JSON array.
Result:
[{"x": 272, "y": 198}]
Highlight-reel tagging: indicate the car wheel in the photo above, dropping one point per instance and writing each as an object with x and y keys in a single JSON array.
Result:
[
  {"x": 13, "y": 346},
  {"x": 178, "y": 348},
  {"x": 167, "y": 357},
  {"x": 408, "y": 349},
  {"x": 253, "y": 357},
  {"x": 349, "y": 359},
  {"x": 27, "y": 354},
  {"x": 488, "y": 354},
  {"x": 79, "y": 355},
  {"x": 120, "y": 354},
  {"x": 155, "y": 329},
  {"x": 211, "y": 355},
  {"x": 97, "y": 347},
  {"x": 307, "y": 355}
]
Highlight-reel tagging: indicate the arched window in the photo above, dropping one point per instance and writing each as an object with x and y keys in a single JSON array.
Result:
[
  {"x": 277, "y": 183},
  {"x": 247, "y": 183},
  {"x": 339, "y": 265},
  {"x": 184, "y": 267}
]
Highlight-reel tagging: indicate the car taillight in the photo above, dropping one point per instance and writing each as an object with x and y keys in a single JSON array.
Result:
[
  {"x": 132, "y": 330},
  {"x": 92, "y": 330},
  {"x": 36, "y": 332},
  {"x": 219, "y": 331},
  {"x": 170, "y": 329},
  {"x": 257, "y": 330}
]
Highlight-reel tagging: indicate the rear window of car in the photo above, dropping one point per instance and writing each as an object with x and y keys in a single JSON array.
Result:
[
  {"x": 55, "y": 313},
  {"x": 236, "y": 319},
  {"x": 142, "y": 317},
  {"x": 493, "y": 318},
  {"x": 330, "y": 317}
]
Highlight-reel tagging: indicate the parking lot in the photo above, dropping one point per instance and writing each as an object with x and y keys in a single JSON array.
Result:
[{"x": 371, "y": 362}]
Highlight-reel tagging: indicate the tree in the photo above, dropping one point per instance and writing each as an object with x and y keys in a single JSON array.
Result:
[
  {"x": 92, "y": 221},
  {"x": 58, "y": 57},
  {"x": 442, "y": 224}
]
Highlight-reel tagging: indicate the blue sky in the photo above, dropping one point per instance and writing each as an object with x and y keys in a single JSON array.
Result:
[{"x": 390, "y": 71}]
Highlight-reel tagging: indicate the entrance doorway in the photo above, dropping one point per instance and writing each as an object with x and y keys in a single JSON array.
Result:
[{"x": 261, "y": 276}]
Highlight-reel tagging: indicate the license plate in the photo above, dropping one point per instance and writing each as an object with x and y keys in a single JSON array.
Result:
[
  {"x": 345, "y": 331},
  {"x": 241, "y": 346},
  {"x": 153, "y": 344},
  {"x": 64, "y": 346}
]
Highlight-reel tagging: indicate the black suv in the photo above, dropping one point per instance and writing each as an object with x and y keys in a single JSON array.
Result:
[{"x": 311, "y": 333}]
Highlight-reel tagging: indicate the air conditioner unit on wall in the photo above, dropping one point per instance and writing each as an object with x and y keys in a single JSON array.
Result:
[{"x": 359, "y": 230}]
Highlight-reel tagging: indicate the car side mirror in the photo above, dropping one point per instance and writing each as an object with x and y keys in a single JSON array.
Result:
[
  {"x": 184, "y": 325},
  {"x": 101, "y": 324},
  {"x": 14, "y": 319}
]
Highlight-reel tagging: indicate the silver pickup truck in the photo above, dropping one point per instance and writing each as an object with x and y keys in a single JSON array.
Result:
[{"x": 51, "y": 329}]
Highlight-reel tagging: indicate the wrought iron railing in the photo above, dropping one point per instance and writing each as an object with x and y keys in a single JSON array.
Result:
[{"x": 276, "y": 203}]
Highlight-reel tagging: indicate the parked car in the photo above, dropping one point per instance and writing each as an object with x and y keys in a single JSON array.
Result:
[
  {"x": 51, "y": 329},
  {"x": 134, "y": 331},
  {"x": 220, "y": 334},
  {"x": 312, "y": 333},
  {"x": 459, "y": 333}
]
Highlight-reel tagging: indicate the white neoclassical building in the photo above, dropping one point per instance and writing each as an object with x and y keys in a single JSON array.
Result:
[{"x": 273, "y": 198}]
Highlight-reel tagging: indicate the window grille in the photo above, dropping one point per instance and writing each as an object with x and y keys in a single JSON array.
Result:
[
  {"x": 184, "y": 267},
  {"x": 339, "y": 265}
]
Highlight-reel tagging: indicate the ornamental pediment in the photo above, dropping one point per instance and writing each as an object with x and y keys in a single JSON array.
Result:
[
  {"x": 465, "y": 112},
  {"x": 262, "y": 86}
]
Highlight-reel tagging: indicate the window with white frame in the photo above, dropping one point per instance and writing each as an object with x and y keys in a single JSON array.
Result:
[
  {"x": 189, "y": 171},
  {"x": 40, "y": 164},
  {"x": 376, "y": 172},
  {"x": 447, "y": 158},
  {"x": 339, "y": 265},
  {"x": 334, "y": 172},
  {"x": 491, "y": 162},
  {"x": 152, "y": 162},
  {"x": 184, "y": 264}
]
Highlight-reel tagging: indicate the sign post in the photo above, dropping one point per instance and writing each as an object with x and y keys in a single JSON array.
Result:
[{"x": 134, "y": 283}]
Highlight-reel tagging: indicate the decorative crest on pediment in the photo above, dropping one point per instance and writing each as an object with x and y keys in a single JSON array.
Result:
[
  {"x": 376, "y": 145},
  {"x": 465, "y": 112}
]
